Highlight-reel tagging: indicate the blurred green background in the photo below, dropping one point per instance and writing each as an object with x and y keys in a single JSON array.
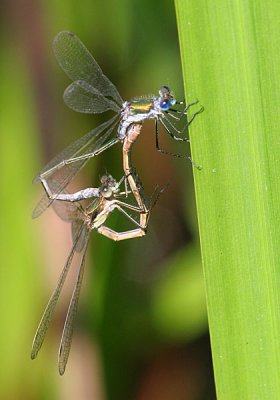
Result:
[{"x": 141, "y": 331}]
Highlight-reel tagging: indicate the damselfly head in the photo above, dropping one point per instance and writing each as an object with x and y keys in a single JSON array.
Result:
[
  {"x": 166, "y": 98},
  {"x": 109, "y": 186}
]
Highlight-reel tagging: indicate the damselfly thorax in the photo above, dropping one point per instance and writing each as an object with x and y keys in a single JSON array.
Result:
[{"x": 137, "y": 111}]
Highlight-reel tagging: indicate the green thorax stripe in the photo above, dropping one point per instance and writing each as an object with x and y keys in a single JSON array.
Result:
[{"x": 141, "y": 106}]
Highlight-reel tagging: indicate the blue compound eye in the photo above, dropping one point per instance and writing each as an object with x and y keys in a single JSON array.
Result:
[{"x": 165, "y": 104}]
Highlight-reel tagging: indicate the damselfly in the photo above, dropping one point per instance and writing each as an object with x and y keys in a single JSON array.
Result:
[
  {"x": 83, "y": 221},
  {"x": 92, "y": 92}
]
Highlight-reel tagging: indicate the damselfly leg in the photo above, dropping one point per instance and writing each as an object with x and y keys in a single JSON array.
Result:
[{"x": 170, "y": 128}]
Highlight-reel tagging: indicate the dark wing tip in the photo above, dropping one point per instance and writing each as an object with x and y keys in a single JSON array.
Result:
[{"x": 61, "y": 371}]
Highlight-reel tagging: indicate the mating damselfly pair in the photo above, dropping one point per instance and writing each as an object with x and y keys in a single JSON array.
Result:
[{"x": 92, "y": 92}]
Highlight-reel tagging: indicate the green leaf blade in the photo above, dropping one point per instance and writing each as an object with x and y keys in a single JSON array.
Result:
[{"x": 231, "y": 63}]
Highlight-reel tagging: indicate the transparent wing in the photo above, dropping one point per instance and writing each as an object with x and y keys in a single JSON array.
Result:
[
  {"x": 67, "y": 210},
  {"x": 74, "y": 213},
  {"x": 46, "y": 318},
  {"x": 57, "y": 182},
  {"x": 76, "y": 226},
  {"x": 84, "y": 148},
  {"x": 82, "y": 97},
  {"x": 93, "y": 139},
  {"x": 77, "y": 62},
  {"x": 67, "y": 333}
]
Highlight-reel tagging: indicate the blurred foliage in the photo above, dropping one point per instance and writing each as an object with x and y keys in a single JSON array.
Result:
[{"x": 141, "y": 297}]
